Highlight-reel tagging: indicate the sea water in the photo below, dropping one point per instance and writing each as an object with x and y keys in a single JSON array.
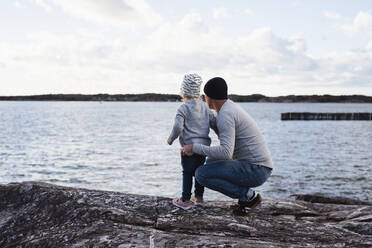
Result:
[{"x": 121, "y": 146}]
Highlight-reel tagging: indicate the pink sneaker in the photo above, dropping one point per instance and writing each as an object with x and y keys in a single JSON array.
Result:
[
  {"x": 181, "y": 204},
  {"x": 198, "y": 200}
]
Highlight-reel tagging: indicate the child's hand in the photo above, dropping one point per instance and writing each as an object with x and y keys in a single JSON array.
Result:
[{"x": 187, "y": 149}]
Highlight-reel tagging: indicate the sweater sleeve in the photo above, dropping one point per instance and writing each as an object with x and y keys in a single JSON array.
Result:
[
  {"x": 177, "y": 126},
  {"x": 213, "y": 121},
  {"x": 224, "y": 151}
]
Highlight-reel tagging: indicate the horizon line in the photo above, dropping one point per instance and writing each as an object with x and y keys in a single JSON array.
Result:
[{"x": 173, "y": 94}]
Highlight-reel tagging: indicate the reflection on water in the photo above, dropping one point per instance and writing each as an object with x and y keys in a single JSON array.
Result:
[{"x": 122, "y": 146}]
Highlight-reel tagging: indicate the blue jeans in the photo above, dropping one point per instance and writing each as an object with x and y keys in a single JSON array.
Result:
[
  {"x": 233, "y": 178},
  {"x": 189, "y": 165}
]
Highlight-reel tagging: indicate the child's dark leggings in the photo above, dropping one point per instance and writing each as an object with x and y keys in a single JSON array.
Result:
[{"x": 189, "y": 165}]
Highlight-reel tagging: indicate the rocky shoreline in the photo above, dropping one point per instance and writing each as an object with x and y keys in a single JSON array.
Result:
[{"x": 34, "y": 214}]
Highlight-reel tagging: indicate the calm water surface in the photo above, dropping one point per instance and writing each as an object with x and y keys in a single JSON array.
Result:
[{"x": 122, "y": 146}]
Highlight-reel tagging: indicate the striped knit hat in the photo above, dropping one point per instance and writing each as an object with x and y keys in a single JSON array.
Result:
[{"x": 190, "y": 86}]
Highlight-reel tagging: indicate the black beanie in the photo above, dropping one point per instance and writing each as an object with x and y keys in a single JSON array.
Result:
[{"x": 216, "y": 88}]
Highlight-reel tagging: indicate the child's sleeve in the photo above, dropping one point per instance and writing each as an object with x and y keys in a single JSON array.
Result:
[
  {"x": 177, "y": 126},
  {"x": 225, "y": 150},
  {"x": 213, "y": 121}
]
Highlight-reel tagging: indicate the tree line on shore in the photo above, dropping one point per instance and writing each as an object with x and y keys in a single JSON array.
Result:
[{"x": 153, "y": 97}]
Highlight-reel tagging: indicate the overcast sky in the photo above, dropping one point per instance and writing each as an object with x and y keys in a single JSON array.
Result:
[{"x": 136, "y": 46}]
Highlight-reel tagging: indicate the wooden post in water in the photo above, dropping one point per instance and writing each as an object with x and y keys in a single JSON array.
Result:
[{"x": 308, "y": 116}]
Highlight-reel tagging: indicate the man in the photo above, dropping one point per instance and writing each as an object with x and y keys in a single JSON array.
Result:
[{"x": 241, "y": 160}]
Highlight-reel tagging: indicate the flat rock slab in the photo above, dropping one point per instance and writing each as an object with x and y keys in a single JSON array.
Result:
[{"x": 34, "y": 214}]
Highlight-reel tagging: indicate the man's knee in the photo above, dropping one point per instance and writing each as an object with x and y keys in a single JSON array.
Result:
[{"x": 200, "y": 175}]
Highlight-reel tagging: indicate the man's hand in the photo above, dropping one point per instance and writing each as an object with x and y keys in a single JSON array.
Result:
[{"x": 187, "y": 149}]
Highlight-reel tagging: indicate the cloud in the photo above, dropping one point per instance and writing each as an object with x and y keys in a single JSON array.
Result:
[
  {"x": 43, "y": 4},
  {"x": 296, "y": 3},
  {"x": 348, "y": 69},
  {"x": 220, "y": 13},
  {"x": 369, "y": 46},
  {"x": 265, "y": 55},
  {"x": 258, "y": 61},
  {"x": 119, "y": 13},
  {"x": 193, "y": 22},
  {"x": 18, "y": 5},
  {"x": 248, "y": 12},
  {"x": 362, "y": 24},
  {"x": 332, "y": 15},
  {"x": 52, "y": 63},
  {"x": 298, "y": 44}
]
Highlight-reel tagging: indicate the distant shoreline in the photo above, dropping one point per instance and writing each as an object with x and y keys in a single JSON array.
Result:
[{"x": 153, "y": 97}]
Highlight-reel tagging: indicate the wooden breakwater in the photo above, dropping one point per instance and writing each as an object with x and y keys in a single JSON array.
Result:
[{"x": 308, "y": 116}]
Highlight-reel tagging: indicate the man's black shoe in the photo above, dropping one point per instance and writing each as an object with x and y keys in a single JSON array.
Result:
[
  {"x": 246, "y": 207},
  {"x": 239, "y": 210}
]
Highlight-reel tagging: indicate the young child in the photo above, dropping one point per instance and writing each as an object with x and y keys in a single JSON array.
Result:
[{"x": 191, "y": 125}]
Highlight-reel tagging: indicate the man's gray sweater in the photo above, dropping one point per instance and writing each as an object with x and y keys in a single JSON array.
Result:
[{"x": 240, "y": 138}]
